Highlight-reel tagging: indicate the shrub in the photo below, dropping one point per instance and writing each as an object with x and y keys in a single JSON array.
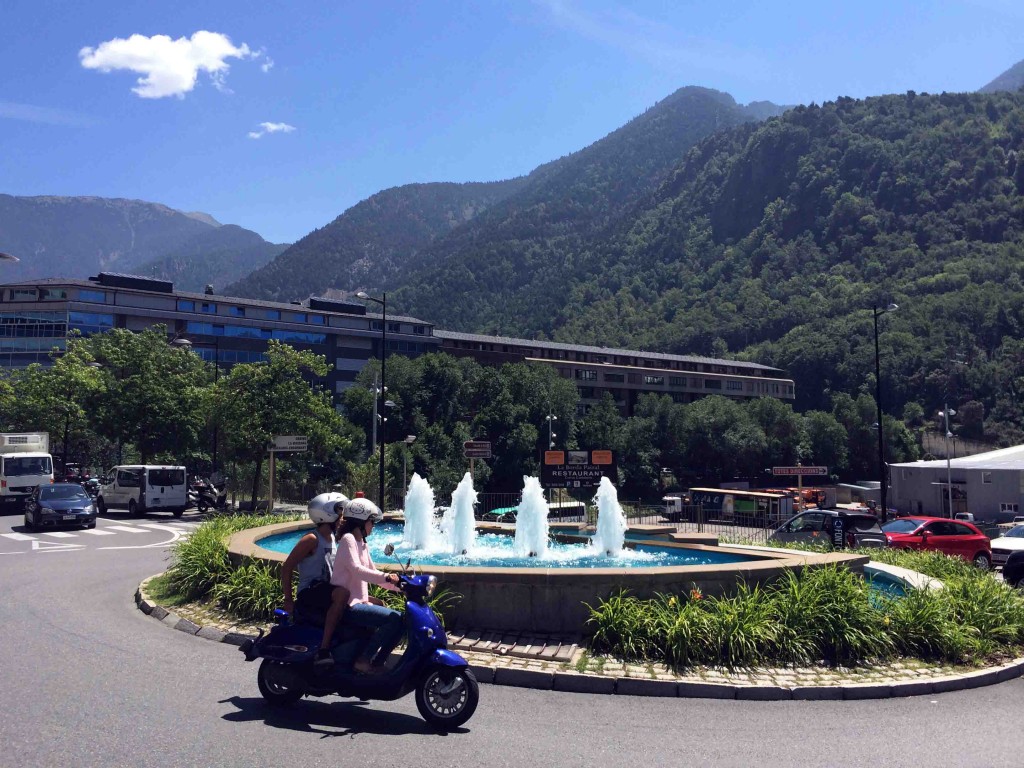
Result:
[
  {"x": 200, "y": 562},
  {"x": 252, "y": 591}
]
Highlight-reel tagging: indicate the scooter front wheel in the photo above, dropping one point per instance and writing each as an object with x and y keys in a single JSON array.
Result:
[
  {"x": 447, "y": 697},
  {"x": 277, "y": 684}
]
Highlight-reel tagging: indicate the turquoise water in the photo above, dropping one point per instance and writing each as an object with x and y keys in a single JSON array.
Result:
[
  {"x": 495, "y": 551},
  {"x": 882, "y": 587}
]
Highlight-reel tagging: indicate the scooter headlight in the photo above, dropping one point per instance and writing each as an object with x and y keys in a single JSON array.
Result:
[{"x": 431, "y": 585}]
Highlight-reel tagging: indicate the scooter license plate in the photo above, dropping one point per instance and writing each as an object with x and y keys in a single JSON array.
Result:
[{"x": 69, "y": 517}]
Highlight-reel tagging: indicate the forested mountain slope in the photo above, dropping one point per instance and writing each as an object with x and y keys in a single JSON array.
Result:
[
  {"x": 776, "y": 240},
  {"x": 1011, "y": 80},
  {"x": 371, "y": 242},
  {"x": 524, "y": 249},
  {"x": 218, "y": 257},
  {"x": 78, "y": 236}
]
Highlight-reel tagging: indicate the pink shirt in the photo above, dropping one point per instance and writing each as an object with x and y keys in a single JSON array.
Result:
[{"x": 353, "y": 569}]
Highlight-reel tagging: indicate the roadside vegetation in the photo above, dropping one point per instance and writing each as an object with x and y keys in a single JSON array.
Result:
[
  {"x": 823, "y": 615},
  {"x": 201, "y": 572}
]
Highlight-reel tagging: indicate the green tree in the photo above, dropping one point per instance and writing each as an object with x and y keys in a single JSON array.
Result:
[
  {"x": 154, "y": 395},
  {"x": 826, "y": 441},
  {"x": 257, "y": 401}
]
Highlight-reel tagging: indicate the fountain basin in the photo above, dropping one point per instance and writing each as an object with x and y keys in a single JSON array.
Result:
[{"x": 549, "y": 599}]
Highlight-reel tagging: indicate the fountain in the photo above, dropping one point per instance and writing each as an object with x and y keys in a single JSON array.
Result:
[
  {"x": 420, "y": 531},
  {"x": 459, "y": 523},
  {"x": 611, "y": 522},
  {"x": 537, "y": 582},
  {"x": 532, "y": 521}
]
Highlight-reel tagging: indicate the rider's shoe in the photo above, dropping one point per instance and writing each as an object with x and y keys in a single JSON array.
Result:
[{"x": 323, "y": 658}]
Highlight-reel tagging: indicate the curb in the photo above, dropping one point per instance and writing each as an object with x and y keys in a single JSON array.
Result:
[{"x": 576, "y": 682}]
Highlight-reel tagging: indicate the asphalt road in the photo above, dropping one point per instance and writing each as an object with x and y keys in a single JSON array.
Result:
[{"x": 88, "y": 680}]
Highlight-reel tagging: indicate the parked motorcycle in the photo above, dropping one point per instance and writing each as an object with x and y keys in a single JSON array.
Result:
[
  {"x": 92, "y": 486},
  {"x": 446, "y": 690},
  {"x": 210, "y": 497}
]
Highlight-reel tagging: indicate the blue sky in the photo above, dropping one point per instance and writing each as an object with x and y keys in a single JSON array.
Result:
[{"x": 286, "y": 114}]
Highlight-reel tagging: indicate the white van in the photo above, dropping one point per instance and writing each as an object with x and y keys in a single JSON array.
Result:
[{"x": 142, "y": 488}]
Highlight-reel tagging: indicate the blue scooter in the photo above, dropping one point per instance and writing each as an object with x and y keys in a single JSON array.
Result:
[{"x": 447, "y": 692}]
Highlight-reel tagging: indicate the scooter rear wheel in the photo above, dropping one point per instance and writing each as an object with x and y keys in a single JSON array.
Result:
[
  {"x": 447, "y": 697},
  {"x": 277, "y": 684}
]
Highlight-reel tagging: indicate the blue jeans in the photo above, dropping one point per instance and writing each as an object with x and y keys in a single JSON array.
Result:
[{"x": 388, "y": 624}]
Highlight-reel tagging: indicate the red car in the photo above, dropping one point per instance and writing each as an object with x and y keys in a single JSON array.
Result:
[{"x": 953, "y": 537}]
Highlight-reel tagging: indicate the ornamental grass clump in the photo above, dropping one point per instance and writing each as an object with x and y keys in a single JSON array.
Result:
[
  {"x": 251, "y": 591},
  {"x": 920, "y": 626},
  {"x": 200, "y": 562},
  {"x": 846, "y": 628}
]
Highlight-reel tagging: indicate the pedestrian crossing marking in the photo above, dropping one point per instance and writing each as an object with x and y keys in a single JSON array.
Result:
[
  {"x": 17, "y": 536},
  {"x": 124, "y": 528},
  {"x": 161, "y": 526},
  {"x": 59, "y": 534},
  {"x": 99, "y": 532}
]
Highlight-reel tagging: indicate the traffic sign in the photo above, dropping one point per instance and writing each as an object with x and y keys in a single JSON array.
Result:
[
  {"x": 290, "y": 443},
  {"x": 476, "y": 449},
  {"x": 799, "y": 470}
]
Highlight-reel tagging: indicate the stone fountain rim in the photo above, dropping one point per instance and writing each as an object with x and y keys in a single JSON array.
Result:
[{"x": 243, "y": 546}]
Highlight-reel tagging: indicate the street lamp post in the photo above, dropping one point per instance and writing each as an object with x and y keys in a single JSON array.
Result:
[
  {"x": 946, "y": 412},
  {"x": 878, "y": 405},
  {"x": 551, "y": 418},
  {"x": 383, "y": 380}
]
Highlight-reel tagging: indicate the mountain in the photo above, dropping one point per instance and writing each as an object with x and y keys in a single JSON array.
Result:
[
  {"x": 514, "y": 263},
  {"x": 369, "y": 244},
  {"x": 430, "y": 227},
  {"x": 79, "y": 236},
  {"x": 218, "y": 257},
  {"x": 772, "y": 242},
  {"x": 1011, "y": 80}
]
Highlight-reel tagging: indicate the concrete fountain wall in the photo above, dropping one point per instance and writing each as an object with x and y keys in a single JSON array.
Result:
[{"x": 555, "y": 599}]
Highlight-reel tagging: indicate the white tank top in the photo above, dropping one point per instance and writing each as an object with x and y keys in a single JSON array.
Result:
[{"x": 318, "y": 566}]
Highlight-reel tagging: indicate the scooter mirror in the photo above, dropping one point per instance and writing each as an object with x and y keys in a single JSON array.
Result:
[{"x": 389, "y": 550}]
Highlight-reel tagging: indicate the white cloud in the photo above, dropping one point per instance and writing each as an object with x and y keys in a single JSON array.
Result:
[
  {"x": 266, "y": 128},
  {"x": 268, "y": 63},
  {"x": 168, "y": 67}
]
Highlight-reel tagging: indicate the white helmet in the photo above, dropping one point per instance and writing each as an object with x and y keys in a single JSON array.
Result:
[
  {"x": 363, "y": 509},
  {"x": 323, "y": 508}
]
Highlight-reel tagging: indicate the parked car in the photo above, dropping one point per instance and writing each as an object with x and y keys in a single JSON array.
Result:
[
  {"x": 1008, "y": 541},
  {"x": 953, "y": 537},
  {"x": 59, "y": 504},
  {"x": 1013, "y": 570},
  {"x": 144, "y": 488},
  {"x": 836, "y": 528}
]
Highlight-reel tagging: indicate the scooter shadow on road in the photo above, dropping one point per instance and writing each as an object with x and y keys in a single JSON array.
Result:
[{"x": 336, "y": 718}]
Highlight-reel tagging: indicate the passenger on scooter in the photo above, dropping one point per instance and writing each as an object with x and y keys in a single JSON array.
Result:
[
  {"x": 313, "y": 557},
  {"x": 353, "y": 570}
]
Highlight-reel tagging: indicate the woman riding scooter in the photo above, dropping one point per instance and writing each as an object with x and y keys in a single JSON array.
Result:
[
  {"x": 313, "y": 557},
  {"x": 353, "y": 570}
]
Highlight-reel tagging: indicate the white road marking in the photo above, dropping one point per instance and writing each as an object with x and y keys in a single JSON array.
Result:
[
  {"x": 175, "y": 536},
  {"x": 124, "y": 528},
  {"x": 60, "y": 534},
  {"x": 98, "y": 532},
  {"x": 161, "y": 526},
  {"x": 53, "y": 546},
  {"x": 17, "y": 537}
]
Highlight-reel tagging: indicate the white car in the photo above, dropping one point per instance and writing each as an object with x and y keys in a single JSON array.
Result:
[{"x": 1007, "y": 542}]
